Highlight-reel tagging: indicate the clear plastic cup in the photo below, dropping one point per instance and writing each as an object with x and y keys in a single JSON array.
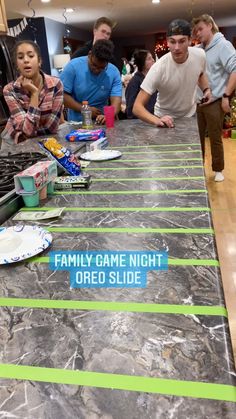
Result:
[
  {"x": 31, "y": 200},
  {"x": 109, "y": 112}
]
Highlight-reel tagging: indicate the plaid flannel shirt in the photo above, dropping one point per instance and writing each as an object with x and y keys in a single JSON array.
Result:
[{"x": 27, "y": 121}]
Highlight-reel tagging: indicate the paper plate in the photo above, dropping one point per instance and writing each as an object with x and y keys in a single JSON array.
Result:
[
  {"x": 21, "y": 242},
  {"x": 101, "y": 155}
]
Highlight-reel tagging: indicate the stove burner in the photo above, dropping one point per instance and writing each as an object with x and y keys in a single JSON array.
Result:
[{"x": 12, "y": 164}]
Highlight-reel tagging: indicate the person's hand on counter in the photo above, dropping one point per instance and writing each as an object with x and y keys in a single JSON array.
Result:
[
  {"x": 139, "y": 109},
  {"x": 165, "y": 121},
  {"x": 95, "y": 112},
  {"x": 100, "y": 120}
]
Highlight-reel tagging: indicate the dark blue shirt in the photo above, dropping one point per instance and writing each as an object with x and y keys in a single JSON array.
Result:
[{"x": 131, "y": 93}]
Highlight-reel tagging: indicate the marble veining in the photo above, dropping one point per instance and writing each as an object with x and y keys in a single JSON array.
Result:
[{"x": 180, "y": 347}]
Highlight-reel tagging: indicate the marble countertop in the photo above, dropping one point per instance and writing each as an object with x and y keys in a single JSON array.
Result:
[
  {"x": 146, "y": 200},
  {"x": 31, "y": 144}
]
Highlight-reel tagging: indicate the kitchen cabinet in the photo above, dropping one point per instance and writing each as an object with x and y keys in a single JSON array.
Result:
[{"x": 3, "y": 18}]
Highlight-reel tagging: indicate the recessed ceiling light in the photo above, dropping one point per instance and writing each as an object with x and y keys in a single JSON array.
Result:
[
  {"x": 69, "y": 10},
  {"x": 155, "y": 1},
  {"x": 45, "y": 1}
]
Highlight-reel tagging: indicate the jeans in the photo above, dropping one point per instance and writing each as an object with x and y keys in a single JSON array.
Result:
[{"x": 210, "y": 118}]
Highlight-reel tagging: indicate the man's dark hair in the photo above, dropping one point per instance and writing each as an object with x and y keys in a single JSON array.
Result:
[
  {"x": 140, "y": 56},
  {"x": 104, "y": 21},
  {"x": 103, "y": 50}
]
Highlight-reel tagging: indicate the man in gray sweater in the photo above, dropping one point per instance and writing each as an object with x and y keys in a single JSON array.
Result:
[{"x": 221, "y": 73}]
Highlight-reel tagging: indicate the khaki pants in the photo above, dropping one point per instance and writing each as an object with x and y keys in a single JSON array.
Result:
[{"x": 210, "y": 118}]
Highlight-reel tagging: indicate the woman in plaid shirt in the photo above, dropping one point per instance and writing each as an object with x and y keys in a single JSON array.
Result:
[{"x": 35, "y": 99}]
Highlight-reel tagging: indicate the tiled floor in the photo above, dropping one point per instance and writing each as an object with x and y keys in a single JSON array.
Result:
[{"x": 223, "y": 203}]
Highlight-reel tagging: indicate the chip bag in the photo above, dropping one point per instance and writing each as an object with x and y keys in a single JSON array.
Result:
[{"x": 64, "y": 157}]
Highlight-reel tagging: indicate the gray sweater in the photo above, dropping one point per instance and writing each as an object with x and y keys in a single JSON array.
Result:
[{"x": 221, "y": 62}]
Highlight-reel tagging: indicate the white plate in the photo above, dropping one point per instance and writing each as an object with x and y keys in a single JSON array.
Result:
[
  {"x": 101, "y": 155},
  {"x": 22, "y": 242}
]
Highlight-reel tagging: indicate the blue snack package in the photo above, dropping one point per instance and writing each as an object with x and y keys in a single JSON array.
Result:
[
  {"x": 85, "y": 135},
  {"x": 64, "y": 157}
]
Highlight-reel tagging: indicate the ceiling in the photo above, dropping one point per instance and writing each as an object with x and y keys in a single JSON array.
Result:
[{"x": 133, "y": 17}]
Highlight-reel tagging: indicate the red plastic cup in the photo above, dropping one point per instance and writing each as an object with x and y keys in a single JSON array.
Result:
[{"x": 109, "y": 112}]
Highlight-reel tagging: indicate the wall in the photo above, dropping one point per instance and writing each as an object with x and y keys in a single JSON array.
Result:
[
  {"x": 230, "y": 34},
  {"x": 49, "y": 36},
  {"x": 149, "y": 41},
  {"x": 122, "y": 44},
  {"x": 55, "y": 43},
  {"x": 35, "y": 30}
]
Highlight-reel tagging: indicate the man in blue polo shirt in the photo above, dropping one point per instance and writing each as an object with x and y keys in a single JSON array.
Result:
[{"x": 92, "y": 78}]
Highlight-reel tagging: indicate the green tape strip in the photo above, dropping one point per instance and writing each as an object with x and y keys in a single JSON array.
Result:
[
  {"x": 193, "y": 262},
  {"x": 142, "y": 179},
  {"x": 136, "y": 192},
  {"x": 121, "y": 382},
  {"x": 151, "y": 152},
  {"x": 114, "y": 306},
  {"x": 128, "y": 209},
  {"x": 150, "y": 168},
  {"x": 130, "y": 230},
  {"x": 173, "y": 262},
  {"x": 154, "y": 160},
  {"x": 159, "y": 145}
]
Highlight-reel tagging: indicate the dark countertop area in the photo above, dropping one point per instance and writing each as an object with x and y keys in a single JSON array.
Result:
[
  {"x": 153, "y": 198},
  {"x": 32, "y": 143}
]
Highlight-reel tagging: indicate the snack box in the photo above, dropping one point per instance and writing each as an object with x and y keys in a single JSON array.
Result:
[
  {"x": 72, "y": 182},
  {"x": 97, "y": 145},
  {"x": 35, "y": 177}
]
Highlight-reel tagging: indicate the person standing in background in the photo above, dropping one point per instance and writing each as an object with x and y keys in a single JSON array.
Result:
[
  {"x": 102, "y": 29},
  {"x": 143, "y": 59},
  {"x": 126, "y": 69},
  {"x": 94, "y": 79},
  {"x": 221, "y": 72}
]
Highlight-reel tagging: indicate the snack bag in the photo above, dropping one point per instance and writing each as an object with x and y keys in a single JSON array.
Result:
[
  {"x": 64, "y": 157},
  {"x": 85, "y": 135}
]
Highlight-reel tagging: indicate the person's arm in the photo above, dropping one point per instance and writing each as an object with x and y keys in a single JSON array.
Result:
[
  {"x": 25, "y": 122},
  {"x": 204, "y": 85},
  {"x": 142, "y": 113},
  {"x": 54, "y": 118},
  {"x": 229, "y": 89},
  {"x": 68, "y": 78},
  {"x": 227, "y": 58},
  {"x": 131, "y": 93},
  {"x": 116, "y": 102},
  {"x": 71, "y": 103},
  {"x": 116, "y": 91}
]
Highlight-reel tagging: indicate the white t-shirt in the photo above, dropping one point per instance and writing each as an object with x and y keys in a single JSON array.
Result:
[{"x": 176, "y": 83}]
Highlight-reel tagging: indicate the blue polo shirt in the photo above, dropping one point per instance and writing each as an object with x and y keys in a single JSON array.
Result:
[{"x": 82, "y": 84}]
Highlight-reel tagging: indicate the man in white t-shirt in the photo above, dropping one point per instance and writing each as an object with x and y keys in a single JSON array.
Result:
[{"x": 176, "y": 76}]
